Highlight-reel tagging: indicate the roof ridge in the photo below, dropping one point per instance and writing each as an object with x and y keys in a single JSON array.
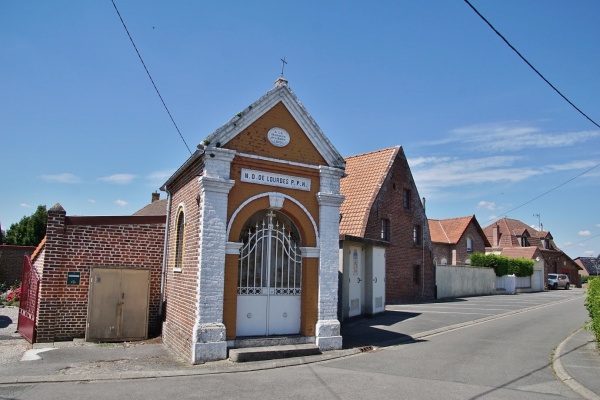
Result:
[{"x": 374, "y": 151}]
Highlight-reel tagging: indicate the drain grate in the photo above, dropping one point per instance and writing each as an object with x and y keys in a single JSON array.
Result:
[{"x": 364, "y": 349}]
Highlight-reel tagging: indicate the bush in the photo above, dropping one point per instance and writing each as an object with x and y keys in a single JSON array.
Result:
[
  {"x": 503, "y": 265},
  {"x": 592, "y": 303},
  {"x": 13, "y": 296}
]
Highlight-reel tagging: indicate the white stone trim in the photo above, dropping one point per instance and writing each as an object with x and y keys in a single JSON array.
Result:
[
  {"x": 233, "y": 247},
  {"x": 265, "y": 194},
  {"x": 275, "y": 160},
  {"x": 309, "y": 252}
]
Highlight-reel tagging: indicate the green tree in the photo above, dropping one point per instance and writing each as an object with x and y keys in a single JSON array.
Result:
[{"x": 29, "y": 231}]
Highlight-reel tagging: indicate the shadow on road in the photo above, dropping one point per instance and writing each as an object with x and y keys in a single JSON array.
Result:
[{"x": 367, "y": 331}]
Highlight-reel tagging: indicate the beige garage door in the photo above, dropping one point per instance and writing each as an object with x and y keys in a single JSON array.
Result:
[{"x": 118, "y": 304}]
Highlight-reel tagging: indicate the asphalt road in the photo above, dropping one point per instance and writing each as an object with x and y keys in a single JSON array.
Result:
[{"x": 505, "y": 357}]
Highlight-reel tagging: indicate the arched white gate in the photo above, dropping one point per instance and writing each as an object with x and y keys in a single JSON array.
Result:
[{"x": 269, "y": 279}]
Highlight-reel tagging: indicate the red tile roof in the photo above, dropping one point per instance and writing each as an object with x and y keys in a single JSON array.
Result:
[
  {"x": 365, "y": 176},
  {"x": 448, "y": 230}
]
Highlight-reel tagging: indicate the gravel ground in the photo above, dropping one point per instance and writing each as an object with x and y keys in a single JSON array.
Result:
[{"x": 12, "y": 345}]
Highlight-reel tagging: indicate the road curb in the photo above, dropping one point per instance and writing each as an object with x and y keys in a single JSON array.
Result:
[
  {"x": 228, "y": 367},
  {"x": 563, "y": 375}
]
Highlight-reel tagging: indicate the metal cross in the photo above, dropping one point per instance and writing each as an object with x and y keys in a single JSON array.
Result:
[{"x": 283, "y": 62}]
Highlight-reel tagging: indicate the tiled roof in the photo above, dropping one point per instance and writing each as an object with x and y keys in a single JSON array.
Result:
[
  {"x": 520, "y": 252},
  {"x": 591, "y": 264},
  {"x": 448, "y": 230},
  {"x": 158, "y": 207},
  {"x": 511, "y": 229},
  {"x": 365, "y": 176}
]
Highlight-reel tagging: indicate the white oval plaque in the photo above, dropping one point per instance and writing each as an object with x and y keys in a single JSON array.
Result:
[{"x": 278, "y": 137}]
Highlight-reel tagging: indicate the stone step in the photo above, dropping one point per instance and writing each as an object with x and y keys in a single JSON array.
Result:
[{"x": 272, "y": 352}]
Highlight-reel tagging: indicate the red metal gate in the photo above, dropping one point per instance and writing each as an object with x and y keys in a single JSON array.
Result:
[{"x": 30, "y": 287}]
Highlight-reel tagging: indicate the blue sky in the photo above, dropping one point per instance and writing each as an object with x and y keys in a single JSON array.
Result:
[{"x": 81, "y": 124}]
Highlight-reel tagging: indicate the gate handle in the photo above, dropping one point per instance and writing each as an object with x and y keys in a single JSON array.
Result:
[
  {"x": 375, "y": 279},
  {"x": 359, "y": 280}
]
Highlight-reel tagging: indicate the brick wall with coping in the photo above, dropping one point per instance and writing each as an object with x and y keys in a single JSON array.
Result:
[
  {"x": 76, "y": 244},
  {"x": 11, "y": 262}
]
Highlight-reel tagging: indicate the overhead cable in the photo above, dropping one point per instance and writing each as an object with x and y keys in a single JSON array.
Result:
[
  {"x": 149, "y": 76},
  {"x": 531, "y": 66}
]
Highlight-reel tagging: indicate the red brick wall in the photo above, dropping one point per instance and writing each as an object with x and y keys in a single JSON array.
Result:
[
  {"x": 402, "y": 255},
  {"x": 182, "y": 287},
  {"x": 76, "y": 244},
  {"x": 11, "y": 262}
]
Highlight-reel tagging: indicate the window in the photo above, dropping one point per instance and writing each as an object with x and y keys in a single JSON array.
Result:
[
  {"x": 417, "y": 274},
  {"x": 444, "y": 261},
  {"x": 385, "y": 229},
  {"x": 407, "y": 199},
  {"x": 179, "y": 236},
  {"x": 469, "y": 245},
  {"x": 524, "y": 241},
  {"x": 417, "y": 235},
  {"x": 547, "y": 244}
]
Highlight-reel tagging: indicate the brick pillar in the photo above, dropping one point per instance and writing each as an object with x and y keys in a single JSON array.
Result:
[
  {"x": 209, "y": 339},
  {"x": 329, "y": 197},
  {"x": 51, "y": 278}
]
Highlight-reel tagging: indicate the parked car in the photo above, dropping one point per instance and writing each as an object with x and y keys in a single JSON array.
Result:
[{"x": 556, "y": 281}]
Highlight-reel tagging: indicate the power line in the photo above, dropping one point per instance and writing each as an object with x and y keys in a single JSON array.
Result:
[
  {"x": 149, "y": 76},
  {"x": 548, "y": 191},
  {"x": 581, "y": 241},
  {"x": 531, "y": 66}
]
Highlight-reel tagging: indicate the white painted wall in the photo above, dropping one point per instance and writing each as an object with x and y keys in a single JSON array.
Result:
[{"x": 453, "y": 281}]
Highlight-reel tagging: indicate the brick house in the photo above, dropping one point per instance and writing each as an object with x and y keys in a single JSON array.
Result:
[
  {"x": 382, "y": 203},
  {"x": 75, "y": 247},
  {"x": 455, "y": 239},
  {"x": 511, "y": 233},
  {"x": 253, "y": 231}
]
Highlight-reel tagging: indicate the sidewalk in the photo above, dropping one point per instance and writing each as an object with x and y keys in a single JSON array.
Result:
[{"x": 576, "y": 360}]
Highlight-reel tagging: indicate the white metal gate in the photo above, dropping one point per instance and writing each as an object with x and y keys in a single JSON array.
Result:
[{"x": 269, "y": 280}]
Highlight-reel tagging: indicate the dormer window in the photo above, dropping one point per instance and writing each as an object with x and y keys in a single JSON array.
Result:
[
  {"x": 524, "y": 241},
  {"x": 547, "y": 244}
]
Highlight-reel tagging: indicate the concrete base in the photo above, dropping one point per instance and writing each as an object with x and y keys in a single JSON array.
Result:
[
  {"x": 210, "y": 343},
  {"x": 272, "y": 352},
  {"x": 328, "y": 335}
]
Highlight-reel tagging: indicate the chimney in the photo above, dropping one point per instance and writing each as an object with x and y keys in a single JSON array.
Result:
[
  {"x": 155, "y": 197},
  {"x": 495, "y": 236}
]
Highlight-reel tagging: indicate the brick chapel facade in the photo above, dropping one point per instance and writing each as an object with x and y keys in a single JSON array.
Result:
[{"x": 253, "y": 222}]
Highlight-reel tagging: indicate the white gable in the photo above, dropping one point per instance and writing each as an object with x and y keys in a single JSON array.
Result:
[{"x": 280, "y": 93}]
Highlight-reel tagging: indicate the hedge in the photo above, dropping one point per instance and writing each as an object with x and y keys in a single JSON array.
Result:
[
  {"x": 503, "y": 265},
  {"x": 592, "y": 303}
]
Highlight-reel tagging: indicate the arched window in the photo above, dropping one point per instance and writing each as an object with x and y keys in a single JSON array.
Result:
[
  {"x": 179, "y": 237},
  {"x": 444, "y": 261}
]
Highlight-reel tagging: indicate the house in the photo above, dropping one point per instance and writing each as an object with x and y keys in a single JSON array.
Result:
[
  {"x": 11, "y": 262},
  {"x": 590, "y": 266},
  {"x": 508, "y": 233},
  {"x": 455, "y": 239},
  {"x": 382, "y": 204},
  {"x": 96, "y": 277},
  {"x": 253, "y": 234}
]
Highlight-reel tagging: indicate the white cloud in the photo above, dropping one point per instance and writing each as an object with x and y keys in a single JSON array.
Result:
[
  {"x": 61, "y": 178},
  {"x": 460, "y": 172},
  {"x": 119, "y": 179},
  {"x": 157, "y": 178},
  {"x": 120, "y": 202},
  {"x": 584, "y": 233},
  {"x": 25, "y": 205},
  {"x": 92, "y": 201},
  {"x": 488, "y": 205},
  {"x": 513, "y": 136},
  {"x": 589, "y": 253}
]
